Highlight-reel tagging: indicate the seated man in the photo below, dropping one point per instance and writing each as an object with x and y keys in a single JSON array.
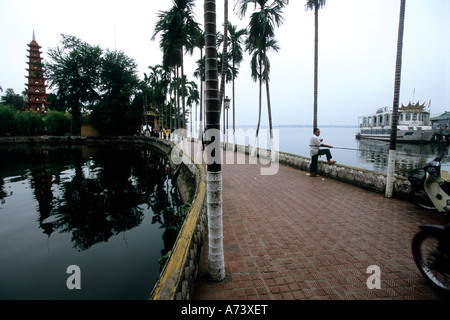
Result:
[{"x": 315, "y": 144}]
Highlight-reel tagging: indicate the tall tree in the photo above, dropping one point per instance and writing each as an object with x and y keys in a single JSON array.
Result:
[
  {"x": 224, "y": 60},
  {"x": 158, "y": 80},
  {"x": 236, "y": 42},
  {"x": 315, "y": 5},
  {"x": 12, "y": 99},
  {"x": 198, "y": 41},
  {"x": 228, "y": 69},
  {"x": 260, "y": 41},
  {"x": 216, "y": 265},
  {"x": 193, "y": 98},
  {"x": 178, "y": 27},
  {"x": 74, "y": 69},
  {"x": 398, "y": 74},
  {"x": 115, "y": 114},
  {"x": 85, "y": 76},
  {"x": 200, "y": 73}
]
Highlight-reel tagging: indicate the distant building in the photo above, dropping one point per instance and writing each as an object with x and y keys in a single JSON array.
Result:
[
  {"x": 36, "y": 88},
  {"x": 442, "y": 121}
]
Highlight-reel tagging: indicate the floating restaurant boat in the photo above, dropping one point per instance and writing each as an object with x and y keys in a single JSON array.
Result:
[{"x": 414, "y": 124}]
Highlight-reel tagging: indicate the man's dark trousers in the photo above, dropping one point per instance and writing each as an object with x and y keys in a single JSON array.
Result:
[{"x": 314, "y": 159}]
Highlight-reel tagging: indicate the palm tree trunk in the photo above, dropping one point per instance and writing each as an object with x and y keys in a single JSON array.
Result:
[
  {"x": 200, "y": 123},
  {"x": 255, "y": 145},
  {"x": 179, "y": 123},
  {"x": 234, "y": 109},
  {"x": 224, "y": 61},
  {"x": 269, "y": 109},
  {"x": 183, "y": 90},
  {"x": 398, "y": 72},
  {"x": 316, "y": 62},
  {"x": 216, "y": 261}
]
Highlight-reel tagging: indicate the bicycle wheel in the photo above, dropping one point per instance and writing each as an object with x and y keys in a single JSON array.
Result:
[{"x": 432, "y": 264}]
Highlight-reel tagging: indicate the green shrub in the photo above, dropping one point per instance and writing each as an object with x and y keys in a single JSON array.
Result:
[
  {"x": 29, "y": 123},
  {"x": 7, "y": 120},
  {"x": 57, "y": 123},
  {"x": 13, "y": 122}
]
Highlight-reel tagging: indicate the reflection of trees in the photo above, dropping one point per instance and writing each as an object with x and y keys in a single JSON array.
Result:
[
  {"x": 2, "y": 191},
  {"x": 94, "y": 211},
  {"x": 101, "y": 203},
  {"x": 41, "y": 182},
  {"x": 172, "y": 221},
  {"x": 155, "y": 179},
  {"x": 107, "y": 194}
]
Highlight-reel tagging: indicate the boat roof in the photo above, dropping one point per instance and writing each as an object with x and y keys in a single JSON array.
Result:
[
  {"x": 408, "y": 108},
  {"x": 413, "y": 107}
]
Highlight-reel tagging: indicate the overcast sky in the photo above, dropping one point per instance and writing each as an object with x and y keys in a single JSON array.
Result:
[{"x": 357, "y": 50}]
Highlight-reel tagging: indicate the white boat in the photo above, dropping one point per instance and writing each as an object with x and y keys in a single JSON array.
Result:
[{"x": 414, "y": 124}]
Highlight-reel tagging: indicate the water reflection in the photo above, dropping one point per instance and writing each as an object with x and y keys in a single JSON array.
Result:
[
  {"x": 103, "y": 196},
  {"x": 408, "y": 158},
  {"x": 89, "y": 194}
]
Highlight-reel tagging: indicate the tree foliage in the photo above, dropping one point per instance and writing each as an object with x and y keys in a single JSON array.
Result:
[
  {"x": 88, "y": 77},
  {"x": 13, "y": 122},
  {"x": 12, "y": 99},
  {"x": 57, "y": 123},
  {"x": 178, "y": 31}
]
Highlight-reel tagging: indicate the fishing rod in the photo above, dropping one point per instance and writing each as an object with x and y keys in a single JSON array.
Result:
[
  {"x": 366, "y": 150},
  {"x": 344, "y": 148}
]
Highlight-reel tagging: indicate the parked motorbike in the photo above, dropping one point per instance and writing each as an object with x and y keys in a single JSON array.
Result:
[
  {"x": 431, "y": 186},
  {"x": 431, "y": 251}
]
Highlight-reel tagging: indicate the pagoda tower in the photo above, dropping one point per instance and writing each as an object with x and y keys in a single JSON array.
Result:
[{"x": 36, "y": 93}]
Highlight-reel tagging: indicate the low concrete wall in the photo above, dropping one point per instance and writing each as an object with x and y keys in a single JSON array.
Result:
[
  {"x": 177, "y": 280},
  {"x": 371, "y": 180}
]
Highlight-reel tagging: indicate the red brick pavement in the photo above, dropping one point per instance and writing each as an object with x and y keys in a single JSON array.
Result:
[{"x": 290, "y": 236}]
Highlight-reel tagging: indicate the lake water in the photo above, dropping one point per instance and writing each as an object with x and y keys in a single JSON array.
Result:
[
  {"x": 100, "y": 209},
  {"x": 365, "y": 154}
]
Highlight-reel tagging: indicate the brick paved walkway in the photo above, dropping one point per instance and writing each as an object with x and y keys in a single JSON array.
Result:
[{"x": 290, "y": 236}]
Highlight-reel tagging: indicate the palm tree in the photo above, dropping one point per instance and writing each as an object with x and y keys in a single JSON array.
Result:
[
  {"x": 198, "y": 41},
  {"x": 216, "y": 264},
  {"x": 224, "y": 61},
  {"x": 200, "y": 73},
  {"x": 178, "y": 27},
  {"x": 169, "y": 44},
  {"x": 236, "y": 37},
  {"x": 261, "y": 39},
  {"x": 398, "y": 73},
  {"x": 159, "y": 82},
  {"x": 315, "y": 5},
  {"x": 193, "y": 97},
  {"x": 229, "y": 69}
]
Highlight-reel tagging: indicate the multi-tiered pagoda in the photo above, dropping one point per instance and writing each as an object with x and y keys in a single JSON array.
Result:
[{"x": 36, "y": 93}]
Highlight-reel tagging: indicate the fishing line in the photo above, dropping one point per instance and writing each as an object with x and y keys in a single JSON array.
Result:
[
  {"x": 367, "y": 150},
  {"x": 383, "y": 151},
  {"x": 347, "y": 149}
]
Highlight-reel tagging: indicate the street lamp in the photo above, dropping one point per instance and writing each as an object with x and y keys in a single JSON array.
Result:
[{"x": 226, "y": 103}]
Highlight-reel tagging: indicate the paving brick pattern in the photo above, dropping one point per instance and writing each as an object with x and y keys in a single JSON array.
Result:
[{"x": 290, "y": 236}]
